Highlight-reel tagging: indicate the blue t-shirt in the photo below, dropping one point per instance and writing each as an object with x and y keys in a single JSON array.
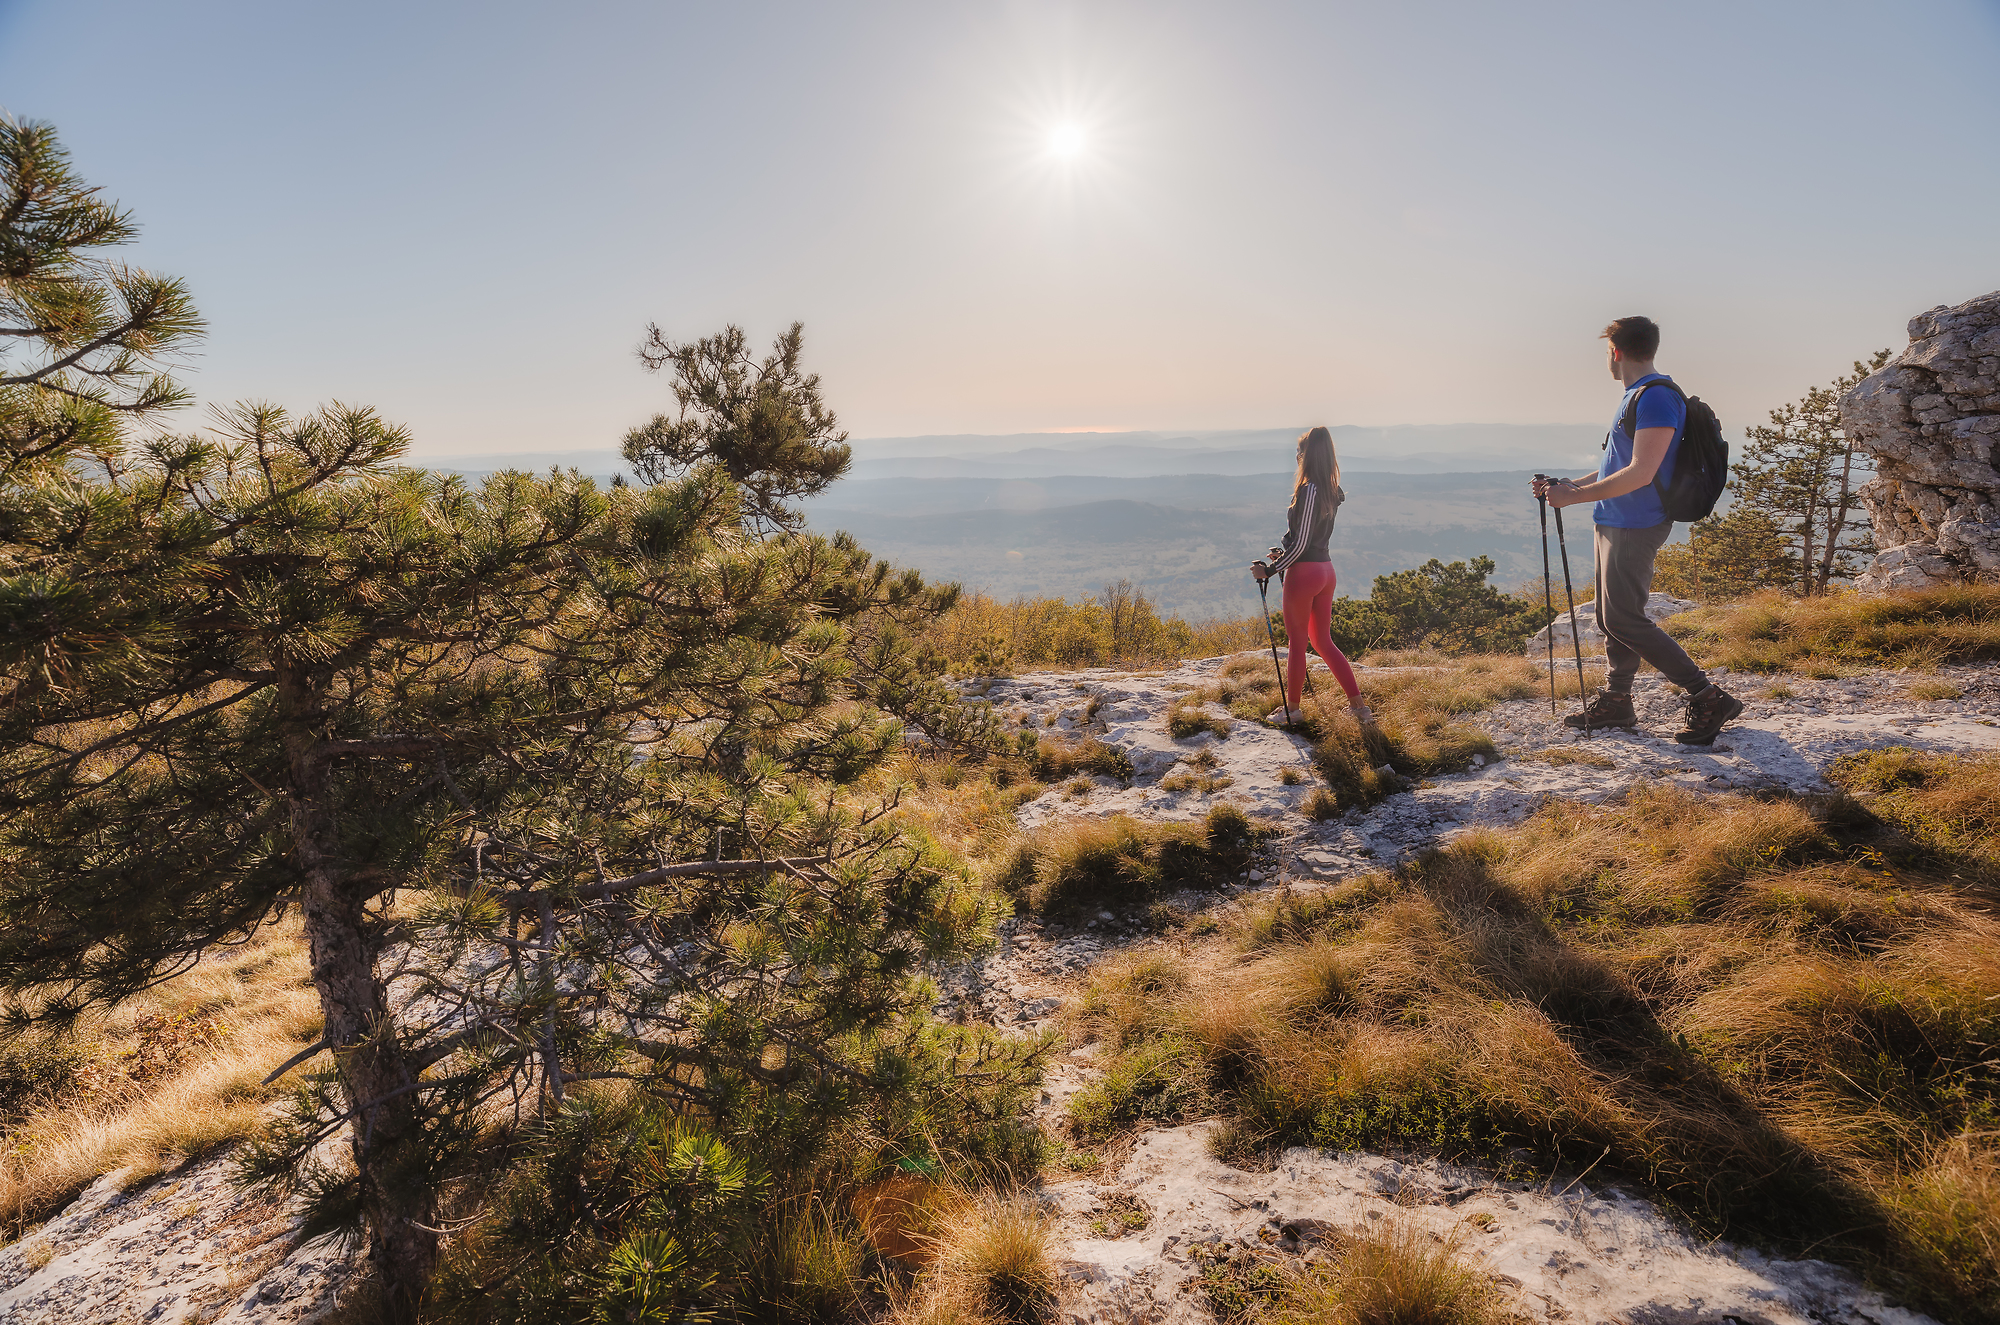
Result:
[{"x": 1657, "y": 409}]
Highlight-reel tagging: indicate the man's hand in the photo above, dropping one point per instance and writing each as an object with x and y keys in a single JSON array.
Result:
[
  {"x": 1564, "y": 492},
  {"x": 1557, "y": 491}
]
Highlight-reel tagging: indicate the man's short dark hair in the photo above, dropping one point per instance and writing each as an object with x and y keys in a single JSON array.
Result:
[{"x": 1634, "y": 337}]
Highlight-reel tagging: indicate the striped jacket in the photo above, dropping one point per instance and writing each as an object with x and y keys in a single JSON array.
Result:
[{"x": 1309, "y": 526}]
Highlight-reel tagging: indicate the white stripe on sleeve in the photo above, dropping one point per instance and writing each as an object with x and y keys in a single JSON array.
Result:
[{"x": 1302, "y": 535}]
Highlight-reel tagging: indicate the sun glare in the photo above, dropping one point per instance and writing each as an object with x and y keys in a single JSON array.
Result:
[{"x": 1066, "y": 140}]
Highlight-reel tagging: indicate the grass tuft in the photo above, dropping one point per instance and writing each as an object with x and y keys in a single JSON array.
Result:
[
  {"x": 1000, "y": 1251},
  {"x": 1188, "y": 717},
  {"x": 1418, "y": 730},
  {"x": 1081, "y": 865},
  {"x": 1561, "y": 756},
  {"x": 1399, "y": 1275},
  {"x": 1919, "y": 628},
  {"x": 1056, "y": 759}
]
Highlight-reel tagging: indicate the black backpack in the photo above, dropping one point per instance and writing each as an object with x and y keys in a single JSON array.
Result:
[{"x": 1701, "y": 465}]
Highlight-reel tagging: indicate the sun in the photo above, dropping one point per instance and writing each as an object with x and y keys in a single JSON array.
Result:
[{"x": 1065, "y": 140}]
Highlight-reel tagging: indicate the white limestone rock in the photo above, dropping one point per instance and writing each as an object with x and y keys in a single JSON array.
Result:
[
  {"x": 1910, "y": 566},
  {"x": 1659, "y": 607},
  {"x": 1930, "y": 418}
]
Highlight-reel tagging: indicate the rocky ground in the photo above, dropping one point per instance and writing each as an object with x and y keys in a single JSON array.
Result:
[
  {"x": 1581, "y": 1252},
  {"x": 187, "y": 1247}
]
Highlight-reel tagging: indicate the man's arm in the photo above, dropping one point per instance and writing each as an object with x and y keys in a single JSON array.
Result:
[{"x": 1649, "y": 449}]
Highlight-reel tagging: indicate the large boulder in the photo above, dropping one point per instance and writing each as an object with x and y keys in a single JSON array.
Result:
[
  {"x": 1659, "y": 607},
  {"x": 1930, "y": 418},
  {"x": 1911, "y": 566}
]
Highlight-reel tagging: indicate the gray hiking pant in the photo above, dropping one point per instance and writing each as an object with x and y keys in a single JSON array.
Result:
[{"x": 1624, "y": 578}]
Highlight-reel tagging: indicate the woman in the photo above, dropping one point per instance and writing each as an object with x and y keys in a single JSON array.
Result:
[{"x": 1308, "y": 572}]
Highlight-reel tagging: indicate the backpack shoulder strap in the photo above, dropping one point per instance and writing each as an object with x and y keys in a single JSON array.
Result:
[{"x": 1632, "y": 410}]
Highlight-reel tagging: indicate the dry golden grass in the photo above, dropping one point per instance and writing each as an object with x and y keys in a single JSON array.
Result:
[
  {"x": 1396, "y": 1275},
  {"x": 1076, "y": 864},
  {"x": 1031, "y": 632},
  {"x": 991, "y": 1258},
  {"x": 1784, "y": 1018},
  {"x": 1827, "y": 636},
  {"x": 1949, "y": 805},
  {"x": 1002, "y": 1246},
  {"x": 255, "y": 1007},
  {"x": 967, "y": 809}
]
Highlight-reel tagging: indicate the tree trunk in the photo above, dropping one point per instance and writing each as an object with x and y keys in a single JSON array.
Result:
[
  {"x": 1836, "y": 520},
  {"x": 374, "y": 1075}
]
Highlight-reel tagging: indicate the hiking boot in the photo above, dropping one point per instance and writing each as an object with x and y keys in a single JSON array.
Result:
[
  {"x": 1610, "y": 708},
  {"x": 1707, "y": 712}
]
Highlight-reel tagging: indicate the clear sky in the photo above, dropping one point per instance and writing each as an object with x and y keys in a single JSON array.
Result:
[{"x": 1269, "y": 214}]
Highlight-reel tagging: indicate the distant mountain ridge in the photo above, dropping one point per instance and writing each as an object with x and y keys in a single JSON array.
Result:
[
  {"x": 1404, "y": 448},
  {"x": 1186, "y": 540}
]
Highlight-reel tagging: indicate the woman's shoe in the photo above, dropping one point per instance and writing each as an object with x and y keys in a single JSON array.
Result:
[
  {"x": 1282, "y": 717},
  {"x": 1362, "y": 713}
]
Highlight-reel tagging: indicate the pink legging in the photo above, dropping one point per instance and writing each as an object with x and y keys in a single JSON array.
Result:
[{"x": 1308, "y": 612}]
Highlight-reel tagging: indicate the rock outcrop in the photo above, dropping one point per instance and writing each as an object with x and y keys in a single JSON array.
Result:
[
  {"x": 1931, "y": 419},
  {"x": 1659, "y": 607}
]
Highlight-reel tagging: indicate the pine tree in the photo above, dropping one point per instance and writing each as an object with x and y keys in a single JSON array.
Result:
[
  {"x": 560, "y": 779},
  {"x": 1800, "y": 471},
  {"x": 84, "y": 340},
  {"x": 1727, "y": 556}
]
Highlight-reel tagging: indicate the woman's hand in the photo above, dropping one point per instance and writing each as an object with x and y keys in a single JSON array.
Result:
[{"x": 1260, "y": 571}]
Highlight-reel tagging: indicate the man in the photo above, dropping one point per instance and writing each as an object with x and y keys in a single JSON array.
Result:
[{"x": 1631, "y": 527}]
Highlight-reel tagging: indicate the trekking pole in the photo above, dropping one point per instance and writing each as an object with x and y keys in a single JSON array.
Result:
[
  {"x": 1264, "y": 596},
  {"x": 1549, "y": 592},
  {"x": 1575, "y": 635}
]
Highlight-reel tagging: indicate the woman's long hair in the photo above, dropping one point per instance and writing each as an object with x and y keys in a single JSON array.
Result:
[{"x": 1317, "y": 463}]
